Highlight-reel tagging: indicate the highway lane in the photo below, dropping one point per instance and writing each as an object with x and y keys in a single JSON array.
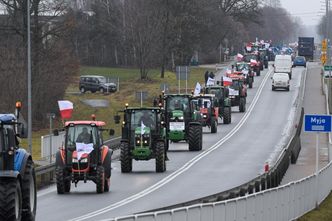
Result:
[{"x": 188, "y": 185}]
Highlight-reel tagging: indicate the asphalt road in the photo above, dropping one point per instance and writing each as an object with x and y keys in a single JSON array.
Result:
[{"x": 234, "y": 155}]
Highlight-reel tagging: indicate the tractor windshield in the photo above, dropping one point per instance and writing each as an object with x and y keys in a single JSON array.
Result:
[
  {"x": 2, "y": 145},
  {"x": 147, "y": 117},
  {"x": 177, "y": 103},
  {"x": 236, "y": 84},
  {"x": 242, "y": 66},
  {"x": 248, "y": 57},
  {"x": 81, "y": 134}
]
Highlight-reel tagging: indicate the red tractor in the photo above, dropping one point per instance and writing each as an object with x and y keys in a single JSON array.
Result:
[
  {"x": 254, "y": 60},
  {"x": 205, "y": 104},
  {"x": 83, "y": 156},
  {"x": 238, "y": 92}
]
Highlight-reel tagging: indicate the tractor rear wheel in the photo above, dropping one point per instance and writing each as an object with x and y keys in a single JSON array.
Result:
[
  {"x": 214, "y": 124},
  {"x": 62, "y": 185},
  {"x": 107, "y": 168},
  {"x": 100, "y": 179},
  {"x": 250, "y": 83},
  {"x": 107, "y": 184},
  {"x": 160, "y": 157},
  {"x": 195, "y": 137},
  {"x": 227, "y": 115},
  {"x": 242, "y": 105},
  {"x": 11, "y": 199},
  {"x": 29, "y": 192},
  {"x": 125, "y": 157}
]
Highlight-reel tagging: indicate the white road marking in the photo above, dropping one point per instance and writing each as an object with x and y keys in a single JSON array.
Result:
[{"x": 184, "y": 168}]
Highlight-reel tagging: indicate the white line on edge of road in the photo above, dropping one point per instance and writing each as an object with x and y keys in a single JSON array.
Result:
[{"x": 184, "y": 167}]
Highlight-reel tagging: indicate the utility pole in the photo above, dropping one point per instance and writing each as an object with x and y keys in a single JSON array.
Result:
[{"x": 29, "y": 79}]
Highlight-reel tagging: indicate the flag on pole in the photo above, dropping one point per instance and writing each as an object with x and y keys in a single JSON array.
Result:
[
  {"x": 197, "y": 89},
  {"x": 142, "y": 128},
  {"x": 253, "y": 62},
  {"x": 227, "y": 81},
  {"x": 239, "y": 57},
  {"x": 66, "y": 109},
  {"x": 82, "y": 148},
  {"x": 210, "y": 82}
]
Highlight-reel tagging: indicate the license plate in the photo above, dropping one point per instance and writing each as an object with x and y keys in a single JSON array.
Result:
[{"x": 176, "y": 125}]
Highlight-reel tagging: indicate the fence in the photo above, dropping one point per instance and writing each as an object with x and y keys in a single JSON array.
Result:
[
  {"x": 57, "y": 142},
  {"x": 286, "y": 202}
]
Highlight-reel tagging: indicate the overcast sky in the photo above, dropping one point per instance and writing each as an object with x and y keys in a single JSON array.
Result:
[{"x": 310, "y": 11}]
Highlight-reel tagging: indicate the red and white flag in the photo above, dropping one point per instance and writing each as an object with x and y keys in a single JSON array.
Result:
[
  {"x": 227, "y": 81},
  {"x": 239, "y": 57},
  {"x": 66, "y": 109},
  {"x": 253, "y": 62}
]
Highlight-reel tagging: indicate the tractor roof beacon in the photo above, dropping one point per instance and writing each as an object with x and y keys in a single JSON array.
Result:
[
  {"x": 17, "y": 173},
  {"x": 143, "y": 137},
  {"x": 84, "y": 156}
]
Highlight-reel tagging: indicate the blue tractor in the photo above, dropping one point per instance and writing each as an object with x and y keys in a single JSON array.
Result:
[{"x": 17, "y": 174}]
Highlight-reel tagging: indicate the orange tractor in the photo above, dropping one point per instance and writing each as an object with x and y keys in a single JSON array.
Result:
[
  {"x": 84, "y": 156},
  {"x": 205, "y": 104}
]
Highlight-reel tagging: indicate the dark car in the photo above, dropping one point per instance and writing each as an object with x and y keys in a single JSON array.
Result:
[
  {"x": 95, "y": 83},
  {"x": 299, "y": 61}
]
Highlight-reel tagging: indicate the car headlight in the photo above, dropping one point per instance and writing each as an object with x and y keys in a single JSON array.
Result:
[{"x": 180, "y": 118}]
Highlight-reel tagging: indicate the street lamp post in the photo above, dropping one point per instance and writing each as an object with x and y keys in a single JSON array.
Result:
[
  {"x": 51, "y": 116},
  {"x": 29, "y": 79}
]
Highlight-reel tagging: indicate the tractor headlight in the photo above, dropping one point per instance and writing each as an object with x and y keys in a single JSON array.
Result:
[
  {"x": 204, "y": 116},
  {"x": 84, "y": 160}
]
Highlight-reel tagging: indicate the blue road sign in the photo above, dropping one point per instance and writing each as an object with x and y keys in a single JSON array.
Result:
[{"x": 317, "y": 123}]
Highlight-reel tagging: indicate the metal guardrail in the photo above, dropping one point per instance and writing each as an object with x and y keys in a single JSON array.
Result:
[{"x": 112, "y": 143}]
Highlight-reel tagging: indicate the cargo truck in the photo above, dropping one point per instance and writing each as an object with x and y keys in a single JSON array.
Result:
[{"x": 306, "y": 47}]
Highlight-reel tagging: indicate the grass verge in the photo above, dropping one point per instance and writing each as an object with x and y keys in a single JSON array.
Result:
[{"x": 130, "y": 83}]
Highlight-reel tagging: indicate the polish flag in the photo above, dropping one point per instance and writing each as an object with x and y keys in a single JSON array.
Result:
[
  {"x": 239, "y": 57},
  {"x": 66, "y": 109},
  {"x": 253, "y": 62},
  {"x": 227, "y": 81}
]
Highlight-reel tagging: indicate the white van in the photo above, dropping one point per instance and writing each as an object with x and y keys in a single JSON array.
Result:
[
  {"x": 283, "y": 64},
  {"x": 280, "y": 80}
]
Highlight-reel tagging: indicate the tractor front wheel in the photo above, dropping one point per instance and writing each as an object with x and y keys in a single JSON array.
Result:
[
  {"x": 100, "y": 179},
  {"x": 242, "y": 105},
  {"x": 125, "y": 157},
  {"x": 29, "y": 192},
  {"x": 250, "y": 83},
  {"x": 214, "y": 124},
  {"x": 227, "y": 115},
  {"x": 160, "y": 157},
  {"x": 62, "y": 185},
  {"x": 11, "y": 199},
  {"x": 195, "y": 137}
]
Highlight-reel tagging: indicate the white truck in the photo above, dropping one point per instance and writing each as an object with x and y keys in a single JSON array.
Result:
[{"x": 283, "y": 64}]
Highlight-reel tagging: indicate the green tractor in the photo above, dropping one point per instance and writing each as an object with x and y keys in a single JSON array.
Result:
[
  {"x": 222, "y": 101},
  {"x": 182, "y": 121},
  {"x": 143, "y": 137}
]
